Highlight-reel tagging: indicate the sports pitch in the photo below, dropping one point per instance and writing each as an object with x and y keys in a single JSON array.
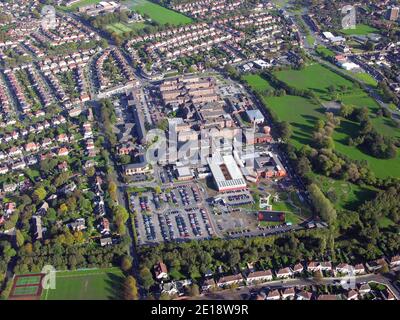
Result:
[
  {"x": 159, "y": 13},
  {"x": 97, "y": 284}
]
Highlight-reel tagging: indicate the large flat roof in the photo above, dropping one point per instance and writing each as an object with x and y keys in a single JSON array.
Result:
[{"x": 237, "y": 179}]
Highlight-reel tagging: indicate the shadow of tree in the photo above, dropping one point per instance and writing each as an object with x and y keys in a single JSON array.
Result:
[{"x": 115, "y": 286}]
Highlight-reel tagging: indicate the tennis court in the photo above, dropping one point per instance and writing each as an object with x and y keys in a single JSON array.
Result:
[
  {"x": 22, "y": 281},
  {"x": 26, "y": 291}
]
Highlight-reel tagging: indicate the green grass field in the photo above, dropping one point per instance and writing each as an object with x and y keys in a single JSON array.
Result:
[
  {"x": 367, "y": 79},
  {"x": 310, "y": 39},
  {"x": 257, "y": 82},
  {"x": 325, "y": 51},
  {"x": 120, "y": 27},
  {"x": 313, "y": 77},
  {"x": 80, "y": 4},
  {"x": 349, "y": 195},
  {"x": 361, "y": 29},
  {"x": 98, "y": 284},
  {"x": 302, "y": 113},
  {"x": 158, "y": 13}
]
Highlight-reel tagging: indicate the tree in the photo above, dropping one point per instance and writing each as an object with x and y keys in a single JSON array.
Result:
[
  {"x": 39, "y": 194},
  {"x": 112, "y": 189},
  {"x": 285, "y": 130},
  {"x": 126, "y": 263},
  {"x": 322, "y": 204},
  {"x": 147, "y": 278},
  {"x": 130, "y": 289},
  {"x": 346, "y": 110},
  {"x": 19, "y": 237}
]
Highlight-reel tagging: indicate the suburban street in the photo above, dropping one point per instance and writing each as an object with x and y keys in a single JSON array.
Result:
[{"x": 245, "y": 292}]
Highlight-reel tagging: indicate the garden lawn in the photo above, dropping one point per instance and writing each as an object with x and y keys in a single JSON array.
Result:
[
  {"x": 97, "y": 284},
  {"x": 361, "y": 29},
  {"x": 158, "y": 13}
]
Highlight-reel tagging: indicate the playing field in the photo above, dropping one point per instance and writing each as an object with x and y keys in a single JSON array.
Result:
[
  {"x": 313, "y": 77},
  {"x": 98, "y": 284},
  {"x": 120, "y": 27},
  {"x": 80, "y": 4},
  {"x": 158, "y": 13},
  {"x": 361, "y": 29}
]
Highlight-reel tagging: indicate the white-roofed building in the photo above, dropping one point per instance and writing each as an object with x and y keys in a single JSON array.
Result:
[
  {"x": 226, "y": 173},
  {"x": 255, "y": 116}
]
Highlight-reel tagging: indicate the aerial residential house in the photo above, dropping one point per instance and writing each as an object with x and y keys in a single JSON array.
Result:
[
  {"x": 138, "y": 168},
  {"x": 3, "y": 170},
  {"x": 376, "y": 265},
  {"x": 10, "y": 187},
  {"x": 326, "y": 266},
  {"x": 46, "y": 142},
  {"x": 230, "y": 280},
  {"x": 395, "y": 261},
  {"x": 106, "y": 241},
  {"x": 288, "y": 293},
  {"x": 273, "y": 295},
  {"x": 359, "y": 269},
  {"x": 364, "y": 289},
  {"x": 327, "y": 297},
  {"x": 62, "y": 152},
  {"x": 261, "y": 296},
  {"x": 63, "y": 166},
  {"x": 319, "y": 266},
  {"x": 284, "y": 273},
  {"x": 259, "y": 276},
  {"x": 62, "y": 138},
  {"x": 298, "y": 268},
  {"x": 208, "y": 284},
  {"x": 9, "y": 208},
  {"x": 303, "y": 295},
  {"x": 161, "y": 271},
  {"x": 170, "y": 288},
  {"x": 30, "y": 147},
  {"x": 37, "y": 226},
  {"x": 344, "y": 268},
  {"x": 77, "y": 225},
  {"x": 104, "y": 226},
  {"x": 352, "y": 295},
  {"x": 388, "y": 295}
]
